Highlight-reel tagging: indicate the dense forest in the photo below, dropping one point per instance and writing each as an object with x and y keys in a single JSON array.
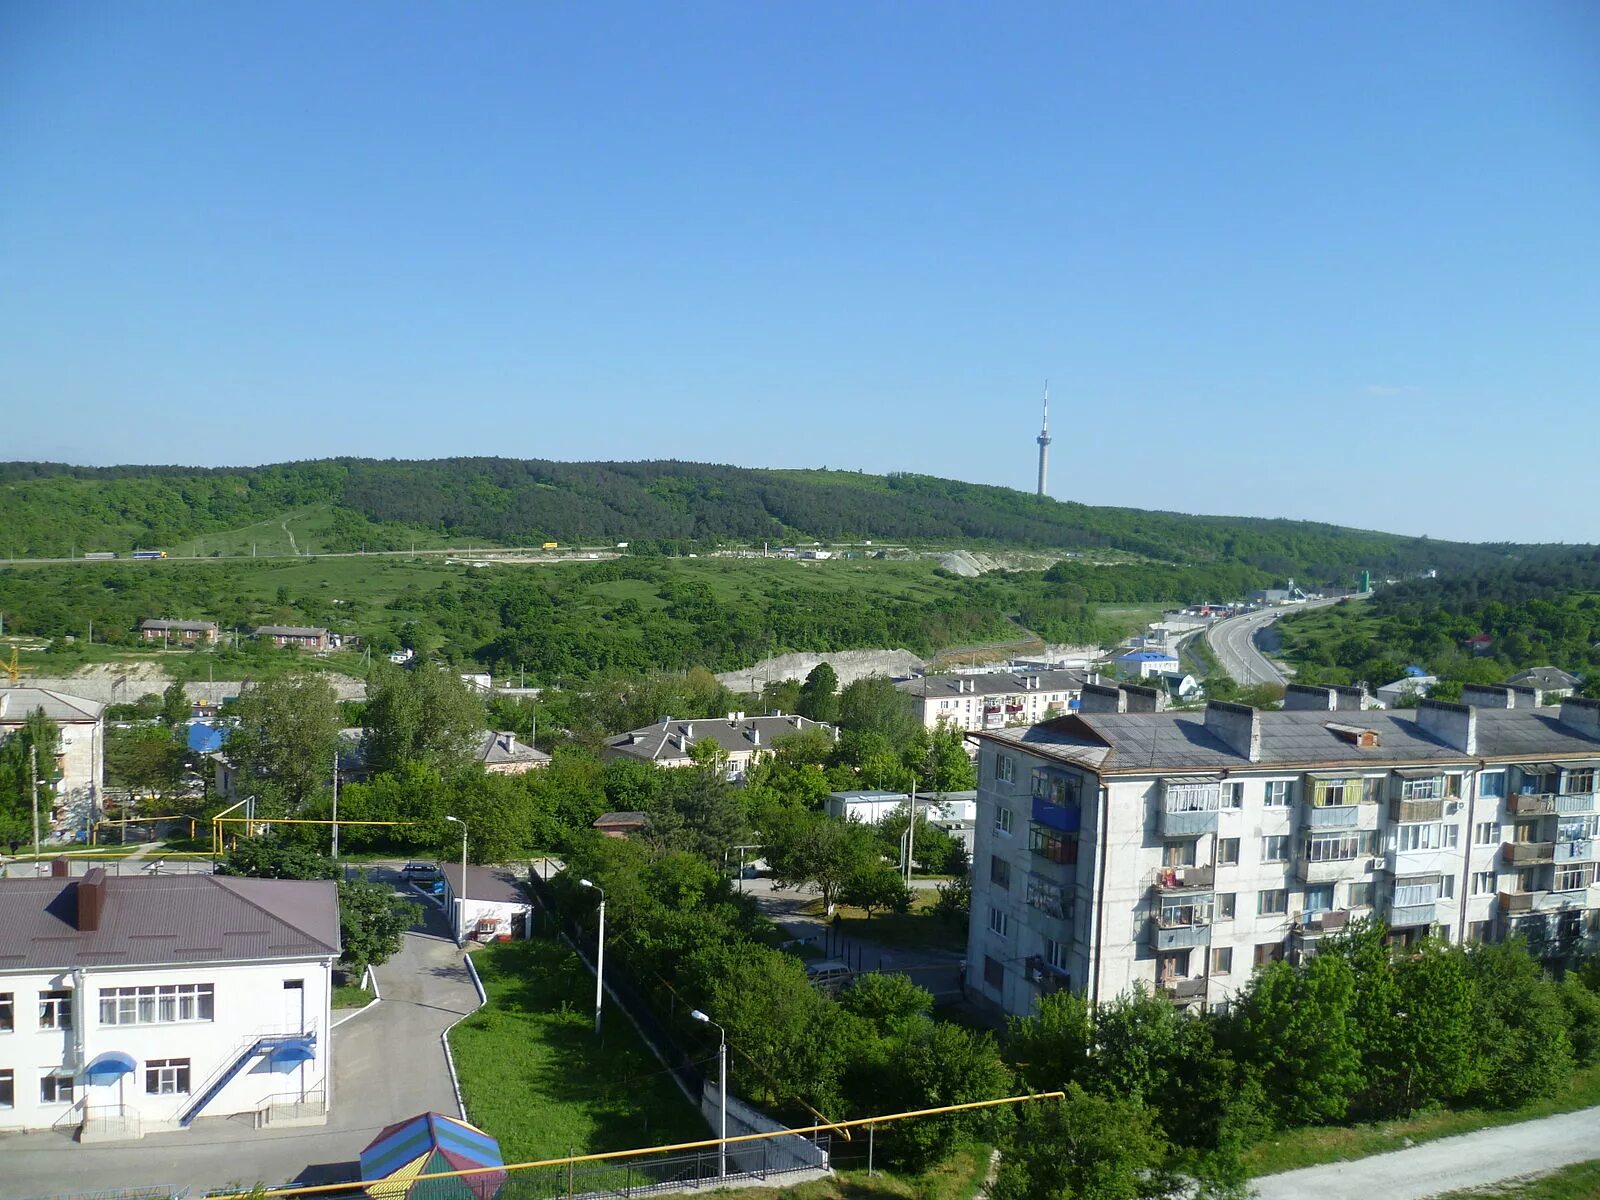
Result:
[
  {"x": 1538, "y": 613},
  {"x": 51, "y": 509}
]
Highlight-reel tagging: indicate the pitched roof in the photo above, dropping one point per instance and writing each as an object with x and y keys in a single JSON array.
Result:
[
  {"x": 160, "y": 920},
  {"x": 1139, "y": 743},
  {"x": 1546, "y": 677},
  {"x": 291, "y": 631},
  {"x": 496, "y": 748},
  {"x": 486, "y": 883},
  {"x": 667, "y": 740},
  {"x": 992, "y": 683},
  {"x": 159, "y": 623},
  {"x": 18, "y": 702}
]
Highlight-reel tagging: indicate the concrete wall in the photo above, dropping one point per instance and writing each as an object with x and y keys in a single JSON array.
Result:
[
  {"x": 102, "y": 685},
  {"x": 770, "y": 1154},
  {"x": 848, "y": 665}
]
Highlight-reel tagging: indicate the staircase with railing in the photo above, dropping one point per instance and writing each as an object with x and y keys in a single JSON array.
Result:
[{"x": 246, "y": 1051}]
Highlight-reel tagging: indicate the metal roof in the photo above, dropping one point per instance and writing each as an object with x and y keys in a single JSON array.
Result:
[
  {"x": 992, "y": 683},
  {"x": 495, "y": 748},
  {"x": 665, "y": 741},
  {"x": 486, "y": 883},
  {"x": 159, "y": 623},
  {"x": 17, "y": 702}
]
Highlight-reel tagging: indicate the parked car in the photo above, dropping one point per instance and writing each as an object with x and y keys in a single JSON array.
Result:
[
  {"x": 421, "y": 873},
  {"x": 829, "y": 975}
]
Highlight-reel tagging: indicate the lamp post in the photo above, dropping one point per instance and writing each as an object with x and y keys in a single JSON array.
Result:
[
  {"x": 461, "y": 900},
  {"x": 722, "y": 1090},
  {"x": 599, "y": 954}
]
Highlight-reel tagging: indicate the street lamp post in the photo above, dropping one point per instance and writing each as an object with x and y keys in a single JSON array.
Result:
[
  {"x": 722, "y": 1090},
  {"x": 461, "y": 899},
  {"x": 599, "y": 954}
]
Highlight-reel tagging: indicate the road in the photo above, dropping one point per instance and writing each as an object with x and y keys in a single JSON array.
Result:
[
  {"x": 1232, "y": 640},
  {"x": 388, "y": 1065},
  {"x": 1447, "y": 1165}
]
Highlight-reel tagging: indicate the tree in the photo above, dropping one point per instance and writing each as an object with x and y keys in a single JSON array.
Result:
[
  {"x": 1296, "y": 1023},
  {"x": 804, "y": 847},
  {"x": 1435, "y": 1056},
  {"x": 875, "y": 886},
  {"x": 886, "y": 1000},
  {"x": 929, "y": 1064},
  {"x": 27, "y": 761},
  {"x": 271, "y": 858},
  {"x": 818, "y": 695},
  {"x": 147, "y": 760},
  {"x": 372, "y": 923},
  {"x": 1583, "y": 1020},
  {"x": 874, "y": 705},
  {"x": 427, "y": 715},
  {"x": 175, "y": 707},
  {"x": 285, "y": 740},
  {"x": 1053, "y": 1045},
  {"x": 1085, "y": 1147},
  {"x": 1523, "y": 1052},
  {"x": 940, "y": 760},
  {"x": 954, "y": 905}
]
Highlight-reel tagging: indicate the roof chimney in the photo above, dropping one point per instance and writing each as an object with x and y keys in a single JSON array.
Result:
[
  {"x": 1097, "y": 698},
  {"x": 1348, "y": 699},
  {"x": 91, "y": 899},
  {"x": 1238, "y": 726},
  {"x": 1483, "y": 695},
  {"x": 1456, "y": 725},
  {"x": 60, "y": 868},
  {"x": 1138, "y": 699},
  {"x": 1581, "y": 715},
  {"x": 1299, "y": 697}
]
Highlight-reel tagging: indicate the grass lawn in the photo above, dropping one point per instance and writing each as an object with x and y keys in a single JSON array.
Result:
[
  {"x": 1308, "y": 1147},
  {"x": 1580, "y": 1181},
  {"x": 918, "y": 929},
  {"x": 534, "y": 1076},
  {"x": 957, "y": 1179},
  {"x": 348, "y": 995}
]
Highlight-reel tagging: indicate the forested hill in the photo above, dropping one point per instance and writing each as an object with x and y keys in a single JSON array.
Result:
[{"x": 50, "y": 509}]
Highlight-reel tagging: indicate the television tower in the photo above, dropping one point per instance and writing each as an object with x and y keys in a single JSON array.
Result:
[{"x": 1044, "y": 443}]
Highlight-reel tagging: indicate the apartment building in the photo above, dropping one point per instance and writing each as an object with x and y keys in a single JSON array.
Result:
[
  {"x": 136, "y": 1003},
  {"x": 165, "y": 631},
  {"x": 739, "y": 740},
  {"x": 1180, "y": 850},
  {"x": 78, "y": 773},
  {"x": 993, "y": 699}
]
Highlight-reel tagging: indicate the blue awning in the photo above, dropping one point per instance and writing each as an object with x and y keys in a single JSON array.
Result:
[
  {"x": 109, "y": 1067},
  {"x": 291, "y": 1054}
]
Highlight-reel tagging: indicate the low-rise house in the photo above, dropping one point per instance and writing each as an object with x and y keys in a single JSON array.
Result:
[
  {"x": 1552, "y": 682},
  {"x": 190, "y": 632},
  {"x": 1412, "y": 687},
  {"x": 81, "y": 760},
  {"x": 993, "y": 699},
  {"x": 304, "y": 637},
  {"x": 622, "y": 824},
  {"x": 1145, "y": 663},
  {"x": 496, "y": 904},
  {"x": 138, "y": 1003},
  {"x": 738, "y": 740},
  {"x": 502, "y": 754},
  {"x": 866, "y": 807}
]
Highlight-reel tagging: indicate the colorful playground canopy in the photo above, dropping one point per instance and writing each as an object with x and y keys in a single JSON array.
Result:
[{"x": 427, "y": 1144}]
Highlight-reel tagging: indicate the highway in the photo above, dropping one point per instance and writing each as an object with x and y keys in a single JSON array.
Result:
[{"x": 1232, "y": 640}]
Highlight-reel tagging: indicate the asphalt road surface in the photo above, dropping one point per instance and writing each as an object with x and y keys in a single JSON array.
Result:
[{"x": 1232, "y": 640}]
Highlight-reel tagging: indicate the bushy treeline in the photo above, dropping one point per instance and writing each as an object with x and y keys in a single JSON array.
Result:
[
  {"x": 49, "y": 507},
  {"x": 1361, "y": 1031}
]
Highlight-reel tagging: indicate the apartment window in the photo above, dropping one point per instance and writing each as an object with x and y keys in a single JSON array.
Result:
[
  {"x": 8, "y": 1012},
  {"x": 166, "y": 1077},
  {"x": 1055, "y": 953},
  {"x": 1452, "y": 785},
  {"x": 1574, "y": 877},
  {"x": 1233, "y": 795},
  {"x": 1452, "y": 836},
  {"x": 1420, "y": 789},
  {"x": 164, "y": 1005},
  {"x": 1478, "y": 931},
  {"x": 1005, "y": 768},
  {"x": 8, "y": 1088},
  {"x": 1360, "y": 895},
  {"x": 999, "y": 872},
  {"x": 1335, "y": 847},
  {"x": 1578, "y": 781},
  {"x": 994, "y": 975},
  {"x": 55, "y": 1088},
  {"x": 1049, "y": 898},
  {"x": 1275, "y": 848},
  {"x": 1222, "y": 960},
  {"x": 1492, "y": 785},
  {"x": 1272, "y": 902},
  {"x": 1191, "y": 797},
  {"x": 1447, "y": 887},
  {"x": 1177, "y": 854},
  {"x": 999, "y": 921},
  {"x": 1279, "y": 793},
  {"x": 1059, "y": 848},
  {"x": 1372, "y": 789},
  {"x": 1419, "y": 837},
  {"x": 1331, "y": 793},
  {"x": 1225, "y": 905},
  {"x": 1483, "y": 883},
  {"x": 1319, "y": 899},
  {"x": 55, "y": 1010},
  {"x": 1422, "y": 889},
  {"x": 1485, "y": 833},
  {"x": 1002, "y": 819},
  {"x": 1228, "y": 852},
  {"x": 1056, "y": 787},
  {"x": 1268, "y": 952}
]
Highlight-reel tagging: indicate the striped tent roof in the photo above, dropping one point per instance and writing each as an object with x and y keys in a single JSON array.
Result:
[{"x": 426, "y": 1144}]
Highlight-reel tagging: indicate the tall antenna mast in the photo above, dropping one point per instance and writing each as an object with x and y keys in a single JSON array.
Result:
[{"x": 1044, "y": 444}]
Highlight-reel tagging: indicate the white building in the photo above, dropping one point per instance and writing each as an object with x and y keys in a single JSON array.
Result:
[
  {"x": 1147, "y": 662},
  {"x": 81, "y": 762},
  {"x": 868, "y": 807},
  {"x": 137, "y": 1003},
  {"x": 496, "y": 903},
  {"x": 1182, "y": 849},
  {"x": 1393, "y": 695},
  {"x": 739, "y": 740},
  {"x": 993, "y": 699}
]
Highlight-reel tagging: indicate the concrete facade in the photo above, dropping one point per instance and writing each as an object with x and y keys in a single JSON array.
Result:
[
  {"x": 81, "y": 761},
  {"x": 993, "y": 699}
]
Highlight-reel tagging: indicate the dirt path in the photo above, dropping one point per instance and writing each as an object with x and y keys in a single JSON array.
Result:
[{"x": 1447, "y": 1165}]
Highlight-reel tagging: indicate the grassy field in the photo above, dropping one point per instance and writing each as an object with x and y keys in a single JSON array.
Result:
[
  {"x": 1308, "y": 1147},
  {"x": 958, "y": 1179},
  {"x": 1581, "y": 1181},
  {"x": 351, "y": 996},
  {"x": 918, "y": 929},
  {"x": 534, "y": 1075}
]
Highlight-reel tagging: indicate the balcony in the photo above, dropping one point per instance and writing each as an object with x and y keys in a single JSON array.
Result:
[
  {"x": 1580, "y": 850},
  {"x": 1419, "y": 810},
  {"x": 1576, "y": 802},
  {"x": 1063, "y": 818},
  {"x": 1330, "y": 869},
  {"x": 1182, "y": 991},
  {"x": 1520, "y": 902},
  {"x": 1528, "y": 854},
  {"x": 1408, "y": 915},
  {"x": 1341, "y": 816},
  {"x": 1189, "y": 823},
  {"x": 1184, "y": 879},
  {"x": 1313, "y": 925},
  {"x": 1178, "y": 936},
  {"x": 1539, "y": 805}
]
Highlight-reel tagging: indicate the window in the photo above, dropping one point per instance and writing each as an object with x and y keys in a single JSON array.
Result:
[
  {"x": 55, "y": 1010},
  {"x": 1447, "y": 887},
  {"x": 1049, "y": 898},
  {"x": 1056, "y": 787},
  {"x": 1005, "y": 768},
  {"x": 1225, "y": 904},
  {"x": 1059, "y": 848},
  {"x": 1492, "y": 784},
  {"x": 1319, "y": 899},
  {"x": 1372, "y": 789},
  {"x": 999, "y": 921},
  {"x": 55, "y": 1088},
  {"x": 1452, "y": 836},
  {"x": 1272, "y": 902},
  {"x": 1577, "y": 829},
  {"x": 1419, "y": 837},
  {"x": 1483, "y": 883},
  {"x": 1055, "y": 953},
  {"x": 1233, "y": 795},
  {"x": 8, "y": 1088},
  {"x": 1577, "y": 781},
  {"x": 1222, "y": 960},
  {"x": 164, "y": 1005},
  {"x": 1279, "y": 794},
  {"x": 1452, "y": 786},
  {"x": 1420, "y": 789},
  {"x": 1228, "y": 852},
  {"x": 1179, "y": 914},
  {"x": 1177, "y": 854},
  {"x": 999, "y": 872},
  {"x": 1268, "y": 952},
  {"x": 1485, "y": 833},
  {"x": 166, "y": 1077},
  {"x": 1414, "y": 890},
  {"x": 994, "y": 975},
  {"x": 1574, "y": 877},
  {"x": 8, "y": 1012},
  {"x": 1478, "y": 931},
  {"x": 1002, "y": 819},
  {"x": 1360, "y": 895},
  {"x": 1275, "y": 848},
  {"x": 1335, "y": 847},
  {"x": 1332, "y": 793}
]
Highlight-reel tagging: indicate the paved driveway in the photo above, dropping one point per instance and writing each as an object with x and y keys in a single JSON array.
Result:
[{"x": 388, "y": 1065}]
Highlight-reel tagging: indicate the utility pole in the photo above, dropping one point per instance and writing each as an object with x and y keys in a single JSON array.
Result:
[
  {"x": 336, "y": 804},
  {"x": 33, "y": 797}
]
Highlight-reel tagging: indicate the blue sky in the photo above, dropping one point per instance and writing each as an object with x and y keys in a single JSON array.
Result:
[{"x": 1335, "y": 262}]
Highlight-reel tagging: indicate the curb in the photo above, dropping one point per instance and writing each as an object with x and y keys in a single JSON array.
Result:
[{"x": 444, "y": 1038}]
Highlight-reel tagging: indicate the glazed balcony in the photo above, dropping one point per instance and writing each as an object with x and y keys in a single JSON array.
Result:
[
  {"x": 1341, "y": 816},
  {"x": 1528, "y": 854}
]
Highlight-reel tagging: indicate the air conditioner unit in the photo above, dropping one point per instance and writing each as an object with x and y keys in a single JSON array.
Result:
[
  {"x": 1452, "y": 806},
  {"x": 1374, "y": 864}
]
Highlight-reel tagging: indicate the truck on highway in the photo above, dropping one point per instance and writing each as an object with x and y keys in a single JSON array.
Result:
[
  {"x": 101, "y": 554},
  {"x": 149, "y": 554}
]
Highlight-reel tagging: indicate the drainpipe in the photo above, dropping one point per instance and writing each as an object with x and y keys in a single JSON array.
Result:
[{"x": 1099, "y": 892}]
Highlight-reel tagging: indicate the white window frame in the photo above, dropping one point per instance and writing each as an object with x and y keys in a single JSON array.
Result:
[
  {"x": 8, "y": 1012},
  {"x": 1487, "y": 833},
  {"x": 1005, "y": 768},
  {"x": 999, "y": 921},
  {"x": 169, "y": 1073},
  {"x": 166, "y": 1004},
  {"x": 1275, "y": 841},
  {"x": 1002, "y": 820},
  {"x": 60, "y": 1084},
  {"x": 1272, "y": 896},
  {"x": 1425, "y": 835},
  {"x": 1226, "y": 905},
  {"x": 1498, "y": 786},
  {"x": 1411, "y": 891},
  {"x": 1279, "y": 793},
  {"x": 1483, "y": 883},
  {"x": 1055, "y": 953},
  {"x": 55, "y": 1009},
  {"x": 1429, "y": 788}
]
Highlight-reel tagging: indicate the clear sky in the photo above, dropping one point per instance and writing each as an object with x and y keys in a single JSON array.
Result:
[{"x": 1330, "y": 261}]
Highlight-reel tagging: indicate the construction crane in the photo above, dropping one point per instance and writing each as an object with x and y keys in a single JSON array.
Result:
[{"x": 12, "y": 669}]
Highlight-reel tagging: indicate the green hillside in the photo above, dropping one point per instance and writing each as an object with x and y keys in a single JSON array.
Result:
[{"x": 332, "y": 505}]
